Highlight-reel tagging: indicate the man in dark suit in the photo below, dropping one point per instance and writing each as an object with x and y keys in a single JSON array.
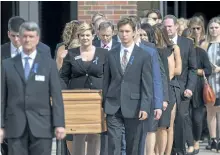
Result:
[
  {"x": 127, "y": 90},
  {"x": 105, "y": 41},
  {"x": 187, "y": 81},
  {"x": 106, "y": 30},
  {"x": 29, "y": 81},
  {"x": 12, "y": 48}
]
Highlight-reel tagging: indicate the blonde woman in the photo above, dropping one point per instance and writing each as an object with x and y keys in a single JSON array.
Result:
[
  {"x": 83, "y": 69},
  {"x": 212, "y": 45},
  {"x": 196, "y": 24},
  {"x": 182, "y": 25},
  {"x": 70, "y": 40}
]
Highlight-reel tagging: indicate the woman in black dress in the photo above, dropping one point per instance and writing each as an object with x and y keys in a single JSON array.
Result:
[
  {"x": 170, "y": 55},
  {"x": 83, "y": 69},
  {"x": 198, "y": 105}
]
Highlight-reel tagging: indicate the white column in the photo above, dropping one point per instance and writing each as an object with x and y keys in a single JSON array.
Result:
[{"x": 29, "y": 10}]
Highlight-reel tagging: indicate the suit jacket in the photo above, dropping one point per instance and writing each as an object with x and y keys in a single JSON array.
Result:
[
  {"x": 115, "y": 37},
  {"x": 131, "y": 91},
  {"x": 75, "y": 74},
  {"x": 157, "y": 80},
  {"x": 28, "y": 102},
  {"x": 97, "y": 43},
  {"x": 6, "y": 50},
  {"x": 162, "y": 71},
  {"x": 188, "y": 77}
]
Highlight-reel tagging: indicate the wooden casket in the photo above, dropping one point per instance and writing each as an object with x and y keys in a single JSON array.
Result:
[{"x": 83, "y": 111}]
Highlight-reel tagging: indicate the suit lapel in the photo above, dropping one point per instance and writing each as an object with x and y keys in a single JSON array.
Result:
[
  {"x": 132, "y": 58},
  {"x": 117, "y": 58},
  {"x": 179, "y": 43},
  {"x": 19, "y": 67}
]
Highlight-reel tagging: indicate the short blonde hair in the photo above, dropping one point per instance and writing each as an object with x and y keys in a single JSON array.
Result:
[{"x": 84, "y": 27}]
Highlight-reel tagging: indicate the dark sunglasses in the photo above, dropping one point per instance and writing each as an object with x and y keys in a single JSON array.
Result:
[
  {"x": 196, "y": 28},
  {"x": 143, "y": 35}
]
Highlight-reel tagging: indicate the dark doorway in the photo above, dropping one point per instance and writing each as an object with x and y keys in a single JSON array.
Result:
[
  {"x": 207, "y": 9},
  {"x": 52, "y": 18},
  {"x": 8, "y": 9}
]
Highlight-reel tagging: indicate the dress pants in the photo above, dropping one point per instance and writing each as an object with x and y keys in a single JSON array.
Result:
[
  {"x": 133, "y": 127},
  {"x": 182, "y": 125},
  {"x": 104, "y": 143},
  {"x": 27, "y": 144}
]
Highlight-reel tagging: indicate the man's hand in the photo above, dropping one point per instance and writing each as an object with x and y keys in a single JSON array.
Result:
[
  {"x": 60, "y": 133},
  {"x": 157, "y": 114},
  {"x": 143, "y": 115},
  {"x": 1, "y": 135},
  {"x": 188, "y": 93},
  {"x": 165, "y": 104}
]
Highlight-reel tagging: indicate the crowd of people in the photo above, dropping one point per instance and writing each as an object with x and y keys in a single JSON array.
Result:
[{"x": 151, "y": 71}]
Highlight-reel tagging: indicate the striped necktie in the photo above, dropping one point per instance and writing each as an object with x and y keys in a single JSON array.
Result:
[{"x": 124, "y": 60}]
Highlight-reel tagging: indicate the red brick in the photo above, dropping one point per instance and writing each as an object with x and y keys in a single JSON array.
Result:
[
  {"x": 106, "y": 2},
  {"x": 132, "y": 2},
  {"x": 121, "y": 2},
  {"x": 107, "y": 12},
  {"x": 86, "y": 17},
  {"x": 98, "y": 7},
  {"x": 91, "y": 3},
  {"x": 114, "y": 7},
  {"x": 120, "y": 12},
  {"x": 90, "y": 12},
  {"x": 80, "y": 3},
  {"x": 129, "y": 7},
  {"x": 84, "y": 7},
  {"x": 81, "y": 13},
  {"x": 132, "y": 12},
  {"x": 114, "y": 17}
]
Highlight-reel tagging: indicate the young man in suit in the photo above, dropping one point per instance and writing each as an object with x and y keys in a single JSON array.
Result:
[
  {"x": 29, "y": 81},
  {"x": 12, "y": 48},
  {"x": 106, "y": 30},
  {"x": 127, "y": 90},
  {"x": 187, "y": 81}
]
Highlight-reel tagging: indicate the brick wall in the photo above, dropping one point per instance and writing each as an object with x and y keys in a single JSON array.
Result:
[{"x": 114, "y": 10}]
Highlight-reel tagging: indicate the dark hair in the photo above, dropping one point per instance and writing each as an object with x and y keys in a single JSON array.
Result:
[
  {"x": 136, "y": 20},
  {"x": 161, "y": 36},
  {"x": 150, "y": 32},
  {"x": 171, "y": 17},
  {"x": 126, "y": 20},
  {"x": 14, "y": 23},
  {"x": 154, "y": 11}
]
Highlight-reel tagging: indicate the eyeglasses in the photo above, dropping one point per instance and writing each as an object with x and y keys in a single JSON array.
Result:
[
  {"x": 196, "y": 28},
  {"x": 144, "y": 35}
]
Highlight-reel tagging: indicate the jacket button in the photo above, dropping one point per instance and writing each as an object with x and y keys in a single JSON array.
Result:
[
  {"x": 87, "y": 75},
  {"x": 90, "y": 83}
]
